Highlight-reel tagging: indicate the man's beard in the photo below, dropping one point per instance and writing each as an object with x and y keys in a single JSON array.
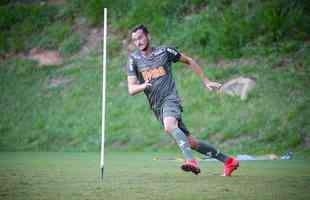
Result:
[{"x": 146, "y": 47}]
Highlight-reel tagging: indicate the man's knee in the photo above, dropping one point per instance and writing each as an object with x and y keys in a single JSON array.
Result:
[
  {"x": 169, "y": 128},
  {"x": 170, "y": 123}
]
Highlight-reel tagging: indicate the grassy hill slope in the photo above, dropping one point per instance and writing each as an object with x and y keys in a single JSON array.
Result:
[{"x": 37, "y": 114}]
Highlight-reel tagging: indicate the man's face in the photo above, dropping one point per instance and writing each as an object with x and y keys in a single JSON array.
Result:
[{"x": 140, "y": 39}]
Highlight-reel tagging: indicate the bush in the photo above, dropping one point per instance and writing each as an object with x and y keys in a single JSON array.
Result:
[
  {"x": 158, "y": 17},
  {"x": 94, "y": 11},
  {"x": 280, "y": 19},
  {"x": 53, "y": 35},
  {"x": 3, "y": 43},
  {"x": 16, "y": 43},
  {"x": 231, "y": 28},
  {"x": 13, "y": 14},
  {"x": 71, "y": 45},
  {"x": 19, "y": 22}
]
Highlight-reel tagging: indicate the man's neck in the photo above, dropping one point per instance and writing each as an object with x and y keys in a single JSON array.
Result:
[{"x": 147, "y": 51}]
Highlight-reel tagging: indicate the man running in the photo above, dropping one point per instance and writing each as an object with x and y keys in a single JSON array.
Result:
[{"x": 149, "y": 70}]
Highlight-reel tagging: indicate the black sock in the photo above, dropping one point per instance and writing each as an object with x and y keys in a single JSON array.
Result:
[{"x": 208, "y": 150}]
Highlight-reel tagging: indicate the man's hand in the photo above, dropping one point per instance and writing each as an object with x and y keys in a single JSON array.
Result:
[
  {"x": 134, "y": 87},
  {"x": 146, "y": 84},
  {"x": 211, "y": 85},
  {"x": 192, "y": 64}
]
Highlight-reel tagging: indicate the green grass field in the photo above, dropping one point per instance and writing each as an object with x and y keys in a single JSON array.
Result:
[{"x": 134, "y": 176}]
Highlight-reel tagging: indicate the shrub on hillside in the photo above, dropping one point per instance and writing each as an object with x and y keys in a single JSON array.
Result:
[
  {"x": 19, "y": 22},
  {"x": 52, "y": 36},
  {"x": 71, "y": 45},
  {"x": 230, "y": 28}
]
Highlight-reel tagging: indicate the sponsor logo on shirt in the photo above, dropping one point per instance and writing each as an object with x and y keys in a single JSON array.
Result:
[
  {"x": 174, "y": 52},
  {"x": 153, "y": 73}
]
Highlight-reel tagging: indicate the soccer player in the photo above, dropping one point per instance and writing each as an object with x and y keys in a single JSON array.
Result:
[{"x": 149, "y": 71}]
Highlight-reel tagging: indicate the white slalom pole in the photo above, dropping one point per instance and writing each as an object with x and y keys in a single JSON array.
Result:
[{"x": 104, "y": 63}]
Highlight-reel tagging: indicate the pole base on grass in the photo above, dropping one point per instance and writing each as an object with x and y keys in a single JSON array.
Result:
[{"x": 102, "y": 170}]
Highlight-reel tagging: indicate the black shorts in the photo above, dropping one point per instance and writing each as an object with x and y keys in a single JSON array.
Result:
[{"x": 171, "y": 108}]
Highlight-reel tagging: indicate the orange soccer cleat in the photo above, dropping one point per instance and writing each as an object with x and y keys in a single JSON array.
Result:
[{"x": 230, "y": 165}]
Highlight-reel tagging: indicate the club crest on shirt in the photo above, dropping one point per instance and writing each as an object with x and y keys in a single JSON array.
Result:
[{"x": 153, "y": 73}]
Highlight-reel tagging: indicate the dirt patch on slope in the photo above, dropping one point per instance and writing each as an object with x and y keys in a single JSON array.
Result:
[{"x": 45, "y": 57}]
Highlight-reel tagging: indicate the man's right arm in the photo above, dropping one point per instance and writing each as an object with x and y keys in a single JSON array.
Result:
[{"x": 134, "y": 87}]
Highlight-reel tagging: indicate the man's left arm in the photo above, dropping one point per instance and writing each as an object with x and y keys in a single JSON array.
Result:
[{"x": 197, "y": 69}]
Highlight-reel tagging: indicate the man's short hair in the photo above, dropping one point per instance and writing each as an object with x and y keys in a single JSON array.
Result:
[{"x": 139, "y": 27}]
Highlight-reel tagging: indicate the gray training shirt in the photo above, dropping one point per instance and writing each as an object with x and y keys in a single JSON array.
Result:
[{"x": 156, "y": 68}]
